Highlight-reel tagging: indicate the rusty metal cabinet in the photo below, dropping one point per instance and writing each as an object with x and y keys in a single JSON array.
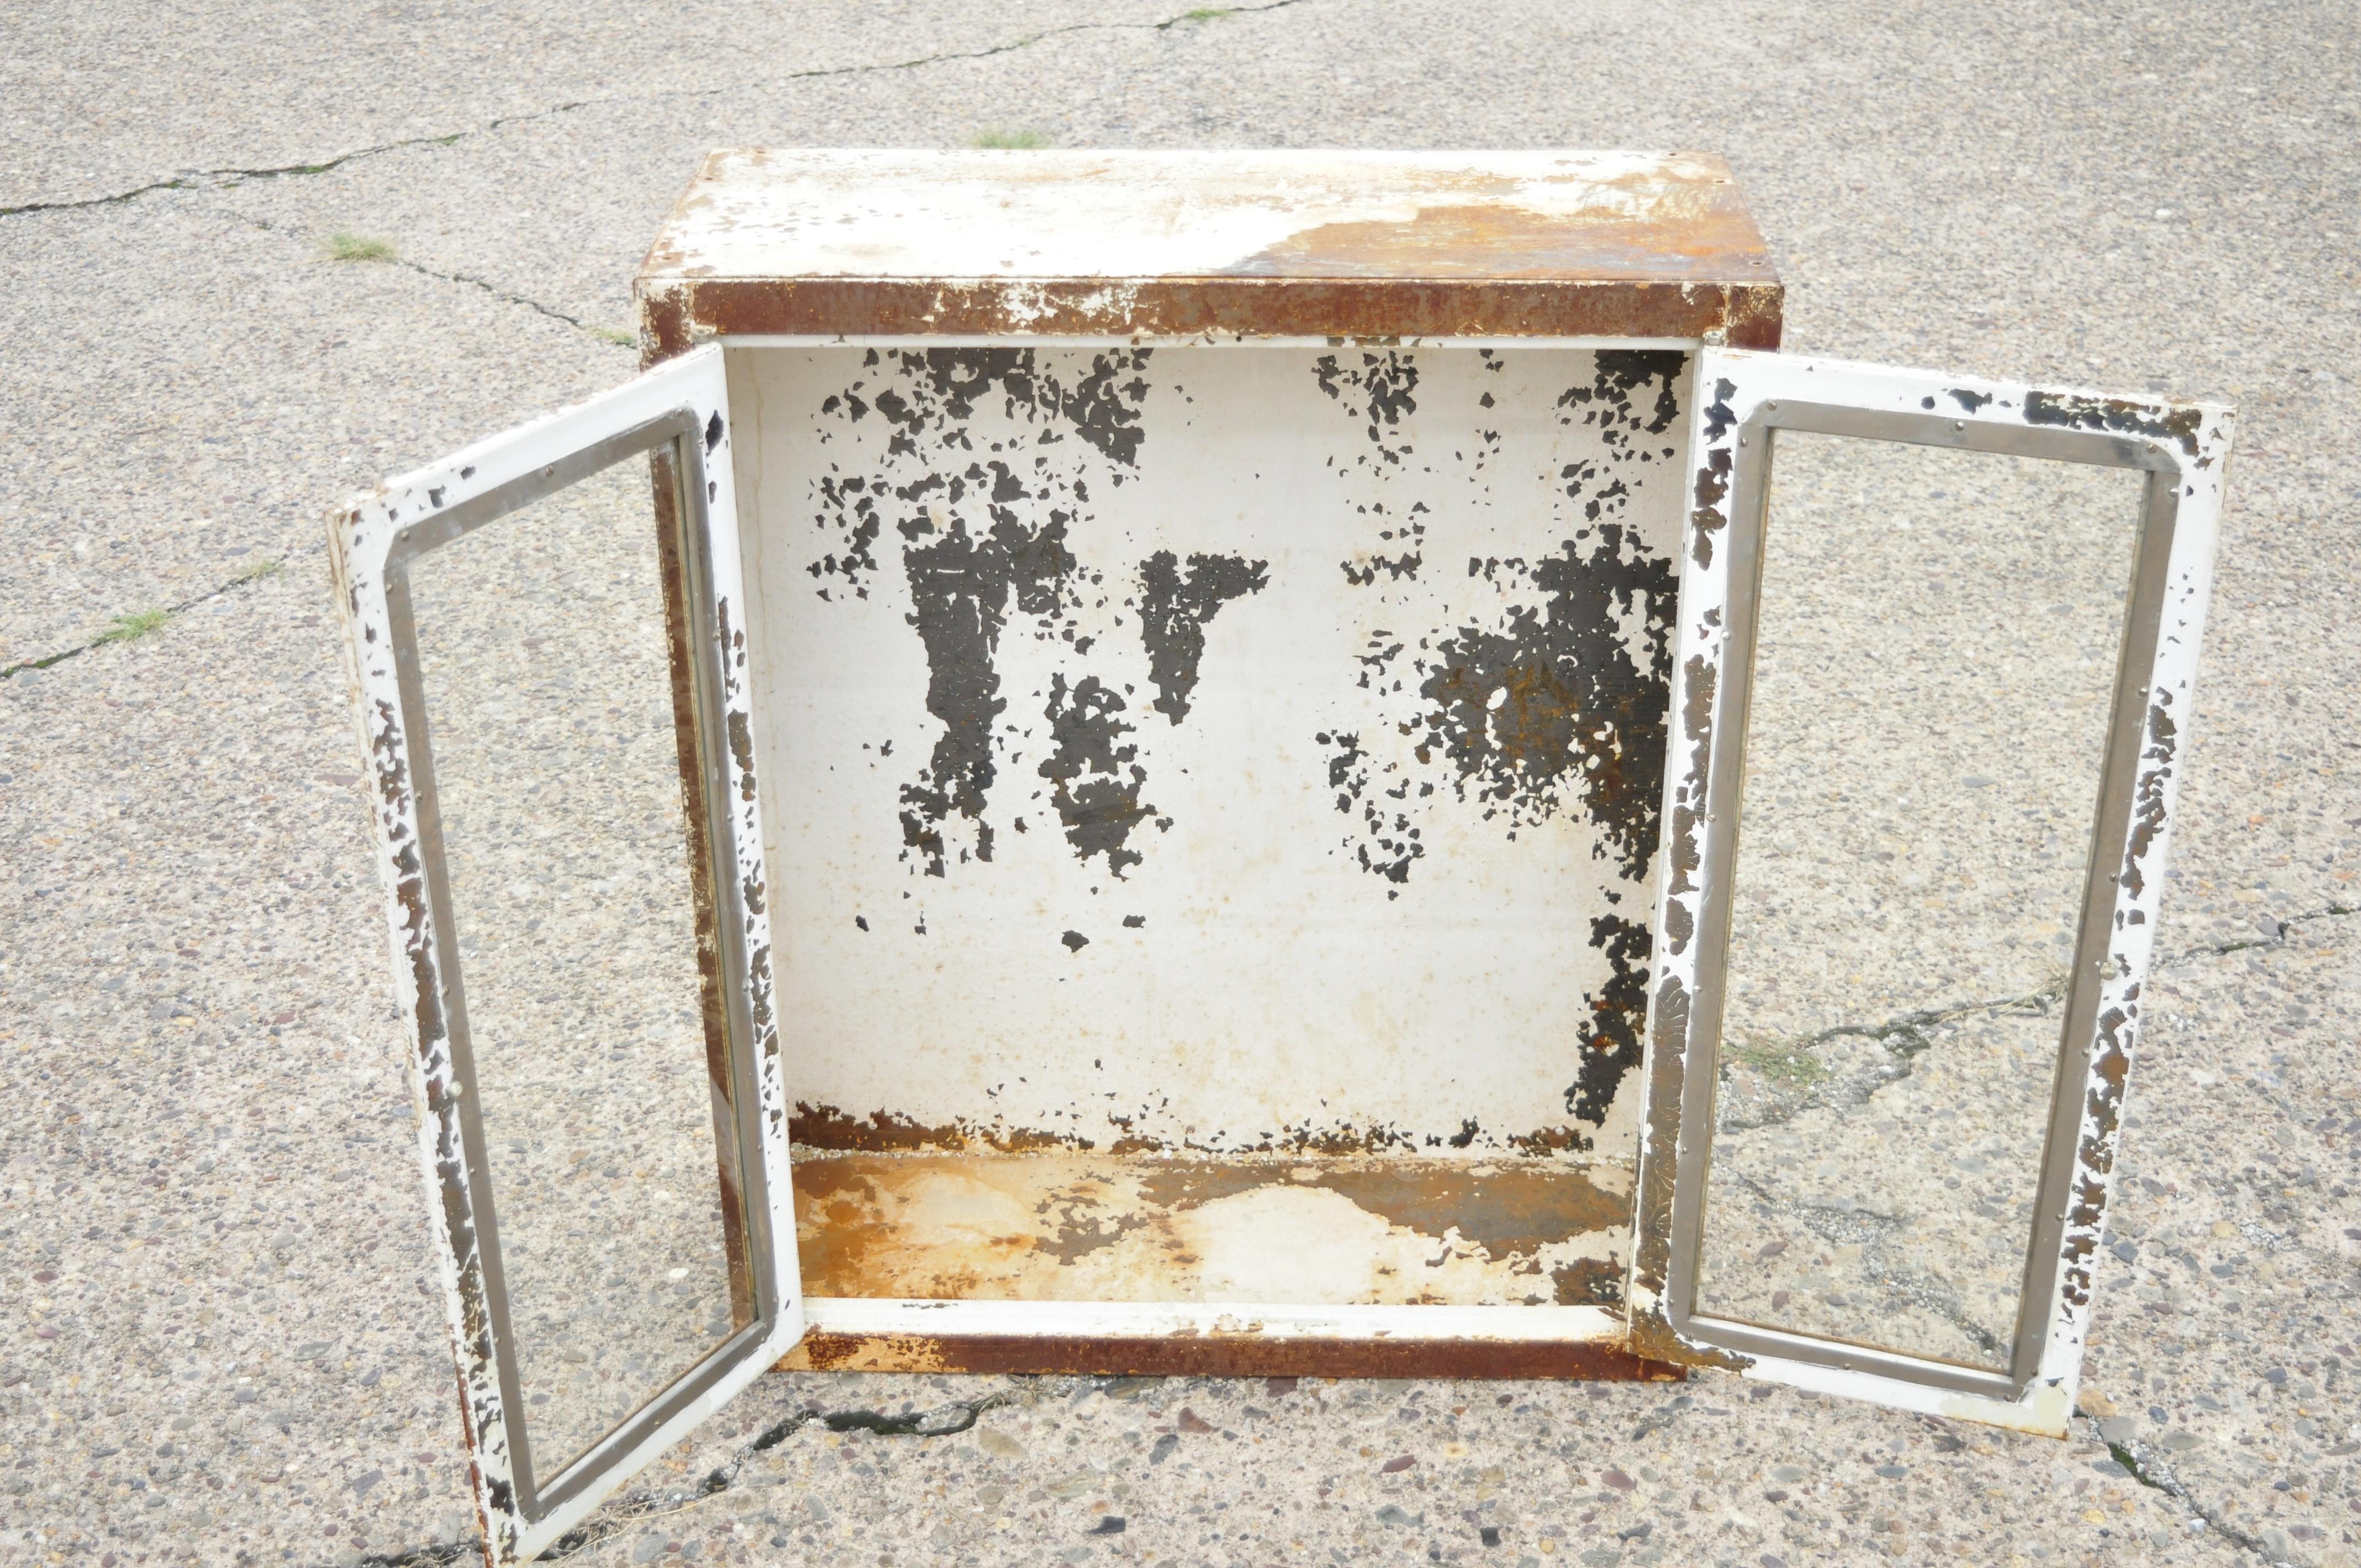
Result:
[{"x": 1174, "y": 659}]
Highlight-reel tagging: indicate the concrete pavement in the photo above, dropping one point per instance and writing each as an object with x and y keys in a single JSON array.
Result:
[{"x": 220, "y": 1343}]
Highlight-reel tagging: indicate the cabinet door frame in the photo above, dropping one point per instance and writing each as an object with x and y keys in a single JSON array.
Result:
[
  {"x": 1743, "y": 399},
  {"x": 678, "y": 416}
]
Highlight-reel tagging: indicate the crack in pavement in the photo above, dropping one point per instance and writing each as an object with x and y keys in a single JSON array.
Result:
[
  {"x": 615, "y": 1518},
  {"x": 262, "y": 572},
  {"x": 1874, "y": 1233},
  {"x": 1905, "y": 1035},
  {"x": 2161, "y": 1479},
  {"x": 226, "y": 179},
  {"x": 611, "y": 336},
  {"x": 2276, "y": 938},
  {"x": 614, "y": 336}
]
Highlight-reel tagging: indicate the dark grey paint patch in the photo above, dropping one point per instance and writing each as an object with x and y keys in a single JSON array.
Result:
[
  {"x": 1395, "y": 842},
  {"x": 2121, "y": 416},
  {"x": 960, "y": 588},
  {"x": 1611, "y": 1038},
  {"x": 1551, "y": 703},
  {"x": 1546, "y": 709},
  {"x": 1097, "y": 779},
  {"x": 984, "y": 525},
  {"x": 1174, "y": 611},
  {"x": 1377, "y": 395}
]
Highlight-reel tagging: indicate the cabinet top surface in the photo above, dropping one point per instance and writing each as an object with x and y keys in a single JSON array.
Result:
[
  {"x": 753, "y": 213},
  {"x": 1357, "y": 243}
]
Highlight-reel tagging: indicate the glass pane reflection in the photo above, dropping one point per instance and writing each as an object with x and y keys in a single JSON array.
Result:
[
  {"x": 542, "y": 652},
  {"x": 1937, "y": 652}
]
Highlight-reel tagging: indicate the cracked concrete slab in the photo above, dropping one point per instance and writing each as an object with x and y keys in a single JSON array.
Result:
[
  {"x": 599, "y": 179},
  {"x": 2226, "y": 1360},
  {"x": 1940, "y": 257},
  {"x": 1253, "y": 1470},
  {"x": 171, "y": 438},
  {"x": 292, "y": 86},
  {"x": 2129, "y": 198}
]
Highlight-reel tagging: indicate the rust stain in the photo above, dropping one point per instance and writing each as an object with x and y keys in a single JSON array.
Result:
[
  {"x": 990, "y": 1227},
  {"x": 1588, "y": 1283},
  {"x": 1695, "y": 235},
  {"x": 680, "y": 662},
  {"x": 1746, "y": 312},
  {"x": 1651, "y": 1225},
  {"x": 826, "y": 1127},
  {"x": 663, "y": 326},
  {"x": 1226, "y": 1356},
  {"x": 890, "y": 1131},
  {"x": 1663, "y": 251},
  {"x": 2147, "y": 794},
  {"x": 2119, "y": 416},
  {"x": 2095, "y": 1155}
]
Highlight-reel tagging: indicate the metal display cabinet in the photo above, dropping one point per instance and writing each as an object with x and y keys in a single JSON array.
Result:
[{"x": 1204, "y": 697}]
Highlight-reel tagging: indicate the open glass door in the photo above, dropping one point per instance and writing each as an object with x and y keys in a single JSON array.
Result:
[
  {"x": 1935, "y": 645},
  {"x": 553, "y": 707}
]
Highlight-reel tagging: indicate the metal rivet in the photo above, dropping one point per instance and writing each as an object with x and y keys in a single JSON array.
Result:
[
  {"x": 1741, "y": 441},
  {"x": 1959, "y": 424}
]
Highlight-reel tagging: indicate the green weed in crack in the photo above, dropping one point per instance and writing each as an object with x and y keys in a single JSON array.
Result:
[
  {"x": 133, "y": 626},
  {"x": 342, "y": 246},
  {"x": 1798, "y": 1078},
  {"x": 2163, "y": 1481},
  {"x": 141, "y": 623}
]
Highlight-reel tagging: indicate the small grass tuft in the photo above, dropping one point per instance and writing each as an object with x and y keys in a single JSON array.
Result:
[
  {"x": 618, "y": 336},
  {"x": 1016, "y": 136},
  {"x": 1209, "y": 12},
  {"x": 262, "y": 569},
  {"x": 1785, "y": 1061},
  {"x": 345, "y": 247},
  {"x": 133, "y": 626}
]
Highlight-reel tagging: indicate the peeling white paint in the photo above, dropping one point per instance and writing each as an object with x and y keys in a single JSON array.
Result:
[
  {"x": 363, "y": 535},
  {"x": 2187, "y": 445},
  {"x": 777, "y": 213}
]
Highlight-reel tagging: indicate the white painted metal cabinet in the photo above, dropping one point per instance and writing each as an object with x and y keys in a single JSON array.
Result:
[{"x": 1173, "y": 661}]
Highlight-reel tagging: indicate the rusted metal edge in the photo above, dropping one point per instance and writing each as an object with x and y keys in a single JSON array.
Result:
[
  {"x": 690, "y": 733},
  {"x": 674, "y": 313},
  {"x": 1226, "y": 1355}
]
